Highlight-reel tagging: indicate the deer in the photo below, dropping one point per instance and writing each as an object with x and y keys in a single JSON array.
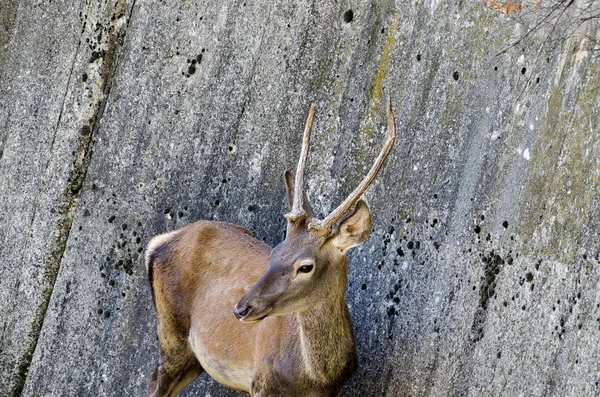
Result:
[{"x": 261, "y": 320}]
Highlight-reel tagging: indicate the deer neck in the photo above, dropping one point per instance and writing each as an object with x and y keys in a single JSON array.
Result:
[{"x": 327, "y": 340}]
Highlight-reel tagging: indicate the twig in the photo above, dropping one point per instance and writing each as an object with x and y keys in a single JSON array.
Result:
[{"x": 543, "y": 20}]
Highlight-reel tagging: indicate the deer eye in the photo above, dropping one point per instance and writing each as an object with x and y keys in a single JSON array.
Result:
[{"x": 305, "y": 269}]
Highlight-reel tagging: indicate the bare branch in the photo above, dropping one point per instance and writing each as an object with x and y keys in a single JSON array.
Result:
[{"x": 537, "y": 25}]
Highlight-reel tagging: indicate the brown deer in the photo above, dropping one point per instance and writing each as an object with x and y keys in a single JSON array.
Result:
[{"x": 294, "y": 336}]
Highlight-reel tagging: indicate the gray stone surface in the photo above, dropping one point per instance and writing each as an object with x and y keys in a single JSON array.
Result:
[{"x": 481, "y": 274}]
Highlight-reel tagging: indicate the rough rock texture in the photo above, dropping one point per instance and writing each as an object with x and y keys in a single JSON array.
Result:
[{"x": 122, "y": 119}]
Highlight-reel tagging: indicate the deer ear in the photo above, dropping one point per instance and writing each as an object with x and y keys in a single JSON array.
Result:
[
  {"x": 290, "y": 182},
  {"x": 354, "y": 229}
]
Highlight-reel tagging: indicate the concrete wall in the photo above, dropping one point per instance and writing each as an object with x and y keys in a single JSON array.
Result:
[{"x": 481, "y": 275}]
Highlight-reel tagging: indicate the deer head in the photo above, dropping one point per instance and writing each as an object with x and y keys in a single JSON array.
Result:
[{"x": 310, "y": 266}]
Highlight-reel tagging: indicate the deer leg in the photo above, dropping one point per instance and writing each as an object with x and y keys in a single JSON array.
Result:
[
  {"x": 172, "y": 374},
  {"x": 178, "y": 365},
  {"x": 190, "y": 372}
]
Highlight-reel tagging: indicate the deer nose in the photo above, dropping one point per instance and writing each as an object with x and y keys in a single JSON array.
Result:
[{"x": 241, "y": 312}]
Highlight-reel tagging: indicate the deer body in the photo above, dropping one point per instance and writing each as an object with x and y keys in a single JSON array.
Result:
[
  {"x": 313, "y": 350},
  {"x": 290, "y": 333}
]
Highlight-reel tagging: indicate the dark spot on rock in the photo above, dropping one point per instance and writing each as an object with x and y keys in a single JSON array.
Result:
[
  {"x": 495, "y": 68},
  {"x": 505, "y": 224},
  {"x": 251, "y": 208},
  {"x": 167, "y": 210},
  {"x": 363, "y": 287},
  {"x": 106, "y": 314},
  {"x": 410, "y": 245},
  {"x": 84, "y": 77},
  {"x": 436, "y": 245},
  {"x": 455, "y": 76},
  {"x": 537, "y": 80},
  {"x": 124, "y": 226},
  {"x": 391, "y": 311},
  {"x": 482, "y": 217},
  {"x": 100, "y": 311},
  {"x": 418, "y": 57},
  {"x": 477, "y": 229},
  {"x": 86, "y": 213},
  {"x": 111, "y": 283},
  {"x": 180, "y": 214},
  {"x": 348, "y": 15},
  {"x": 97, "y": 55},
  {"x": 529, "y": 277},
  {"x": 418, "y": 245},
  {"x": 396, "y": 299},
  {"x": 400, "y": 252},
  {"x": 499, "y": 354},
  {"x": 199, "y": 58},
  {"x": 191, "y": 69},
  {"x": 111, "y": 219},
  {"x": 523, "y": 71}
]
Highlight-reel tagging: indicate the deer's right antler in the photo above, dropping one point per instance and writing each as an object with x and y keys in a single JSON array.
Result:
[{"x": 324, "y": 227}]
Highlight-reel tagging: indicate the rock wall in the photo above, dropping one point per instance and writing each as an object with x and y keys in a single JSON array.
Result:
[{"x": 124, "y": 119}]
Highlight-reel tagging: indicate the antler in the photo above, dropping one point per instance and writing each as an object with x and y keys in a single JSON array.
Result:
[
  {"x": 325, "y": 226},
  {"x": 298, "y": 212}
]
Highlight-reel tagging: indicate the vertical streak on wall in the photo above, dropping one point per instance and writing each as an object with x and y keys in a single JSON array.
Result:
[
  {"x": 382, "y": 69},
  {"x": 74, "y": 183}
]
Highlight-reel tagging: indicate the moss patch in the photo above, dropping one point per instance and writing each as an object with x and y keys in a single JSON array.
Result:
[{"x": 560, "y": 186}]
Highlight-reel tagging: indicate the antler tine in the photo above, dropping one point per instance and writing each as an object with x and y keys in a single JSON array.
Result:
[
  {"x": 297, "y": 207},
  {"x": 325, "y": 226}
]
